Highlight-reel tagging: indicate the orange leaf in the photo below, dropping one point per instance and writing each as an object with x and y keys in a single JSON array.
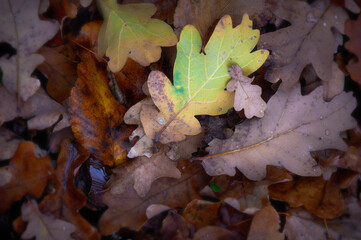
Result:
[
  {"x": 25, "y": 174},
  {"x": 95, "y": 114}
]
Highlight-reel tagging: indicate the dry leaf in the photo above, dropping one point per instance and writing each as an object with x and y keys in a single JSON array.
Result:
[
  {"x": 66, "y": 200},
  {"x": 350, "y": 160},
  {"x": 309, "y": 39},
  {"x": 174, "y": 227},
  {"x": 129, "y": 31},
  {"x": 61, "y": 72},
  {"x": 202, "y": 213},
  {"x": 95, "y": 114},
  {"x": 141, "y": 172},
  {"x": 353, "y": 30},
  {"x": 40, "y": 109},
  {"x": 204, "y": 13},
  {"x": 320, "y": 197},
  {"x": 293, "y": 126},
  {"x": 248, "y": 96},
  {"x": 128, "y": 209},
  {"x": 44, "y": 227},
  {"x": 25, "y": 32},
  {"x": 29, "y": 175},
  {"x": 215, "y": 233},
  {"x": 265, "y": 224}
]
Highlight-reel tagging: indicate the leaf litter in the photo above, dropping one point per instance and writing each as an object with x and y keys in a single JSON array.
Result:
[{"x": 250, "y": 143}]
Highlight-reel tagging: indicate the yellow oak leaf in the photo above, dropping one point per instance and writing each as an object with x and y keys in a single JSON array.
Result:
[
  {"x": 199, "y": 79},
  {"x": 129, "y": 31}
]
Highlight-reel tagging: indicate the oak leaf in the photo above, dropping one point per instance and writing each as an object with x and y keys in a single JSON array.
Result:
[
  {"x": 353, "y": 30},
  {"x": 44, "y": 227},
  {"x": 9, "y": 142},
  {"x": 26, "y": 33},
  {"x": 26, "y": 174},
  {"x": 129, "y": 31},
  {"x": 309, "y": 40},
  {"x": 204, "y": 13},
  {"x": 128, "y": 209},
  {"x": 40, "y": 109},
  {"x": 95, "y": 114},
  {"x": 320, "y": 197},
  {"x": 199, "y": 79},
  {"x": 293, "y": 126},
  {"x": 66, "y": 200},
  {"x": 247, "y": 96},
  {"x": 265, "y": 223},
  {"x": 60, "y": 70},
  {"x": 141, "y": 172}
]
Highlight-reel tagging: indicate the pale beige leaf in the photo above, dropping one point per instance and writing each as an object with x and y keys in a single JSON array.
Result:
[
  {"x": 309, "y": 40},
  {"x": 265, "y": 224},
  {"x": 44, "y": 227},
  {"x": 248, "y": 96},
  {"x": 40, "y": 109},
  {"x": 142, "y": 171},
  {"x": 8, "y": 143},
  {"x": 26, "y": 33},
  {"x": 293, "y": 126}
]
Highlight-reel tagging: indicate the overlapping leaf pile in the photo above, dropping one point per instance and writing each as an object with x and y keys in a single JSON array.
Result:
[{"x": 180, "y": 119}]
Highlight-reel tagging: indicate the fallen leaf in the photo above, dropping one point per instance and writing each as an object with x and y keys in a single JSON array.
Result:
[
  {"x": 293, "y": 126},
  {"x": 66, "y": 200},
  {"x": 245, "y": 195},
  {"x": 203, "y": 13},
  {"x": 265, "y": 223},
  {"x": 129, "y": 31},
  {"x": 95, "y": 114},
  {"x": 26, "y": 33},
  {"x": 353, "y": 30},
  {"x": 320, "y": 197},
  {"x": 309, "y": 40},
  {"x": 199, "y": 79},
  {"x": 165, "y": 8},
  {"x": 141, "y": 172},
  {"x": 43, "y": 227},
  {"x": 202, "y": 213},
  {"x": 303, "y": 225},
  {"x": 350, "y": 160},
  {"x": 247, "y": 96},
  {"x": 174, "y": 227},
  {"x": 215, "y": 233},
  {"x": 128, "y": 209},
  {"x": 61, "y": 72},
  {"x": 29, "y": 175},
  {"x": 40, "y": 109},
  {"x": 88, "y": 36}
]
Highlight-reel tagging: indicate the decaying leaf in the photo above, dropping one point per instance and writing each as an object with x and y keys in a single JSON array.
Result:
[
  {"x": 129, "y": 31},
  {"x": 353, "y": 30},
  {"x": 303, "y": 225},
  {"x": 40, "y": 109},
  {"x": 61, "y": 72},
  {"x": 320, "y": 197},
  {"x": 309, "y": 39},
  {"x": 25, "y": 174},
  {"x": 293, "y": 126},
  {"x": 215, "y": 233},
  {"x": 141, "y": 172},
  {"x": 247, "y": 96},
  {"x": 95, "y": 114},
  {"x": 25, "y": 32},
  {"x": 66, "y": 200},
  {"x": 199, "y": 79},
  {"x": 202, "y": 213},
  {"x": 265, "y": 224},
  {"x": 128, "y": 209},
  {"x": 44, "y": 227},
  {"x": 204, "y": 13}
]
